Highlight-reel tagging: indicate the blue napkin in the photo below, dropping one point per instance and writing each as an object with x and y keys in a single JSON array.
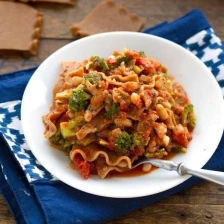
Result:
[{"x": 32, "y": 194}]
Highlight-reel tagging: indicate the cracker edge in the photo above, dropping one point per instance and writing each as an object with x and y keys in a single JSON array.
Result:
[
  {"x": 33, "y": 46},
  {"x": 76, "y": 31},
  {"x": 69, "y": 2}
]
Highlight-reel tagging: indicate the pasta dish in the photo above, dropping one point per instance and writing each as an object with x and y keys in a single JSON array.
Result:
[{"x": 107, "y": 113}]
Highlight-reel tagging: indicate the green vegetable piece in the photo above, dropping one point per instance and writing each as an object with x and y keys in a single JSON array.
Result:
[
  {"x": 123, "y": 144},
  {"x": 67, "y": 129},
  {"x": 124, "y": 59},
  {"x": 78, "y": 100},
  {"x": 142, "y": 54},
  {"x": 66, "y": 94},
  {"x": 112, "y": 111},
  {"x": 87, "y": 140},
  {"x": 188, "y": 118},
  {"x": 65, "y": 145},
  {"x": 159, "y": 152},
  {"x": 177, "y": 149},
  {"x": 79, "y": 121},
  {"x": 92, "y": 78},
  {"x": 55, "y": 139},
  {"x": 58, "y": 139},
  {"x": 137, "y": 70},
  {"x": 138, "y": 140},
  {"x": 149, "y": 155},
  {"x": 101, "y": 62}
]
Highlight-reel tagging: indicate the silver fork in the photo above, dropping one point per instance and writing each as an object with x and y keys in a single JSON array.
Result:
[{"x": 182, "y": 169}]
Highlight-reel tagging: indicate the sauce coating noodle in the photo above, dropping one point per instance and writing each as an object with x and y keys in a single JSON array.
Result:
[{"x": 107, "y": 113}]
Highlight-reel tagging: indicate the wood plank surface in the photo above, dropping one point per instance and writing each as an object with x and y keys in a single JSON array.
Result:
[{"x": 203, "y": 203}]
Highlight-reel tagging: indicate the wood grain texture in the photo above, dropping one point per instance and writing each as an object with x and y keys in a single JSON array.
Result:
[
  {"x": 5, "y": 215},
  {"x": 59, "y": 17},
  {"x": 18, "y": 62},
  {"x": 203, "y": 203}
]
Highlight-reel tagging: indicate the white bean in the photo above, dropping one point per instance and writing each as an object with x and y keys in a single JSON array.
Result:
[
  {"x": 135, "y": 98},
  {"x": 166, "y": 140},
  {"x": 163, "y": 115},
  {"x": 123, "y": 122},
  {"x": 146, "y": 167},
  {"x": 122, "y": 164},
  {"x": 166, "y": 105},
  {"x": 161, "y": 129},
  {"x": 88, "y": 116}
]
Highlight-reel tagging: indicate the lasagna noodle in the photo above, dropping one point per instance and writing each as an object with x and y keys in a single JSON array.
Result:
[
  {"x": 50, "y": 128},
  {"x": 119, "y": 80},
  {"x": 105, "y": 160},
  {"x": 50, "y": 119}
]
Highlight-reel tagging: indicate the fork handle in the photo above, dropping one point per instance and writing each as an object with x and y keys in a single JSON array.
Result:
[{"x": 213, "y": 176}]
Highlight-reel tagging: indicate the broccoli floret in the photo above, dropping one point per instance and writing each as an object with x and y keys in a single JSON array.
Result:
[
  {"x": 159, "y": 152},
  {"x": 112, "y": 111},
  {"x": 79, "y": 120},
  {"x": 123, "y": 144},
  {"x": 65, "y": 145},
  {"x": 124, "y": 59},
  {"x": 101, "y": 62},
  {"x": 138, "y": 140},
  {"x": 92, "y": 78},
  {"x": 55, "y": 139},
  {"x": 177, "y": 149},
  {"x": 142, "y": 54},
  {"x": 78, "y": 100},
  {"x": 58, "y": 139},
  {"x": 188, "y": 117},
  {"x": 149, "y": 155}
]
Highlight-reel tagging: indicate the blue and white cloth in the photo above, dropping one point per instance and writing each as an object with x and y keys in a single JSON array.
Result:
[{"x": 34, "y": 195}]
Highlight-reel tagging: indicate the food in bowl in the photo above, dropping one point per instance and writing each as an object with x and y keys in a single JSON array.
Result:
[{"x": 107, "y": 113}]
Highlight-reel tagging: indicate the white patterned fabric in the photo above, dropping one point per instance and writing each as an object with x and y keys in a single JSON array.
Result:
[
  {"x": 209, "y": 49},
  {"x": 11, "y": 129}
]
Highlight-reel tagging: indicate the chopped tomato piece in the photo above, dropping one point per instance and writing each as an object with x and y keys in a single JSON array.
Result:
[
  {"x": 111, "y": 144},
  {"x": 146, "y": 65},
  {"x": 138, "y": 152},
  {"x": 156, "y": 64},
  {"x": 181, "y": 138},
  {"x": 123, "y": 105},
  {"x": 82, "y": 166},
  {"x": 132, "y": 54},
  {"x": 86, "y": 70},
  {"x": 61, "y": 107},
  {"x": 111, "y": 61}
]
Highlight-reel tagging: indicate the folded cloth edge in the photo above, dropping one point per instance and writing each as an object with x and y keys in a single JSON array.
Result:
[
  {"x": 181, "y": 29},
  {"x": 9, "y": 80}
]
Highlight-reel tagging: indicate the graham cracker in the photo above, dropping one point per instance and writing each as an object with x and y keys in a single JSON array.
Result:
[
  {"x": 20, "y": 26},
  {"x": 106, "y": 17},
  {"x": 70, "y": 2}
]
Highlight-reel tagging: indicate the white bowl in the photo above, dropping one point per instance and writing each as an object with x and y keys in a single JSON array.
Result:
[{"x": 199, "y": 83}]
